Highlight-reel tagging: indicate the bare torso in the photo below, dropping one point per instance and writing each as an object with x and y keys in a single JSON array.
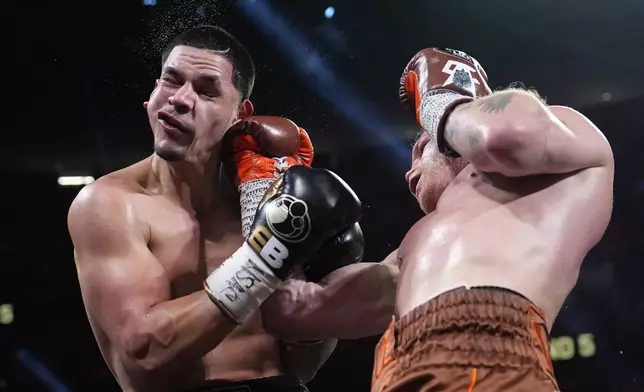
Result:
[
  {"x": 189, "y": 250},
  {"x": 526, "y": 234}
]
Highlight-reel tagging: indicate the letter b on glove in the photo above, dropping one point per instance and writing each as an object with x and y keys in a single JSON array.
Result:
[
  {"x": 300, "y": 212},
  {"x": 268, "y": 247},
  {"x": 274, "y": 252}
]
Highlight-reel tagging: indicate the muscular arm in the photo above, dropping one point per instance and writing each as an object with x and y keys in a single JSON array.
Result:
[
  {"x": 351, "y": 302},
  {"x": 127, "y": 293},
  {"x": 513, "y": 133}
]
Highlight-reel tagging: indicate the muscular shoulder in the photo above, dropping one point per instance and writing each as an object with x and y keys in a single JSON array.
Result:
[
  {"x": 101, "y": 197},
  {"x": 581, "y": 126},
  {"x": 109, "y": 195},
  {"x": 100, "y": 212}
]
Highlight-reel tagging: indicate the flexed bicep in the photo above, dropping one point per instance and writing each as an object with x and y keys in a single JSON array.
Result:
[{"x": 120, "y": 278}]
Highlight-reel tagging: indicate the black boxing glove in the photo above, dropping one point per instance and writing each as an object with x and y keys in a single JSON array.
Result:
[
  {"x": 344, "y": 249},
  {"x": 300, "y": 212}
]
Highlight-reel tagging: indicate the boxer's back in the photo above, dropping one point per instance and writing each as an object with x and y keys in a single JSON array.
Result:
[
  {"x": 187, "y": 249},
  {"x": 527, "y": 234}
]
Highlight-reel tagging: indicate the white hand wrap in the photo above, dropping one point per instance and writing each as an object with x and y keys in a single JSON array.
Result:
[
  {"x": 434, "y": 105},
  {"x": 240, "y": 285},
  {"x": 250, "y": 194}
]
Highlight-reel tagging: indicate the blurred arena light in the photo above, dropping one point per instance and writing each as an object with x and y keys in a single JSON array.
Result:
[
  {"x": 149, "y": 2},
  {"x": 6, "y": 314},
  {"x": 41, "y": 371},
  {"x": 75, "y": 180},
  {"x": 315, "y": 70},
  {"x": 329, "y": 12}
]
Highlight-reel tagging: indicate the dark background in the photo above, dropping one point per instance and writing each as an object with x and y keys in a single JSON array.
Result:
[{"x": 77, "y": 75}]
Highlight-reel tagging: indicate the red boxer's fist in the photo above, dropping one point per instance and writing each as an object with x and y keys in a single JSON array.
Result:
[
  {"x": 435, "y": 81},
  {"x": 263, "y": 147},
  {"x": 258, "y": 150}
]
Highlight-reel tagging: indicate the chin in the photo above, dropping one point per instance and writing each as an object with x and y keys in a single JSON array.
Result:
[
  {"x": 430, "y": 188},
  {"x": 437, "y": 172},
  {"x": 428, "y": 200},
  {"x": 169, "y": 154}
]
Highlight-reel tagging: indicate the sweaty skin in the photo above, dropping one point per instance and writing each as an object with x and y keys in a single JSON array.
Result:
[
  {"x": 141, "y": 258},
  {"x": 145, "y": 238},
  {"x": 531, "y": 195}
]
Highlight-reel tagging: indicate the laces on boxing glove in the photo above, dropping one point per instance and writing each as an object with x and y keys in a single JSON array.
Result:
[{"x": 435, "y": 108}]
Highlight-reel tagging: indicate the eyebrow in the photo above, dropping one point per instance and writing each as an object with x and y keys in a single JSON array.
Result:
[
  {"x": 170, "y": 70},
  {"x": 209, "y": 79}
]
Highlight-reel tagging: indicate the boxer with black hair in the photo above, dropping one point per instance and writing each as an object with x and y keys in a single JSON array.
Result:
[{"x": 185, "y": 293}]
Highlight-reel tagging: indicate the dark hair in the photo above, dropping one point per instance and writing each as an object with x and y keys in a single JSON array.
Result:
[{"x": 219, "y": 40}]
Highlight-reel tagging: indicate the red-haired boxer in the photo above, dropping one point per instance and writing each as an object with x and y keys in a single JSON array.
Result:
[
  {"x": 515, "y": 194},
  {"x": 178, "y": 298}
]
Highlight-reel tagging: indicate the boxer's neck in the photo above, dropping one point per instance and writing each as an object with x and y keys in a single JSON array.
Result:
[{"x": 198, "y": 186}]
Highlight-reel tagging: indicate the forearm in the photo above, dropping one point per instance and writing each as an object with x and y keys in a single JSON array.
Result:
[
  {"x": 352, "y": 302},
  {"x": 504, "y": 132},
  {"x": 175, "y": 332},
  {"x": 514, "y": 133}
]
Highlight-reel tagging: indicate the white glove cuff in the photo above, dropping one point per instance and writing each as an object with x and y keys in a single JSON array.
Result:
[
  {"x": 434, "y": 105},
  {"x": 241, "y": 283}
]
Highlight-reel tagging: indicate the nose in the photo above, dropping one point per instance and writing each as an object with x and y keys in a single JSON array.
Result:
[
  {"x": 411, "y": 169},
  {"x": 183, "y": 99},
  {"x": 408, "y": 174}
]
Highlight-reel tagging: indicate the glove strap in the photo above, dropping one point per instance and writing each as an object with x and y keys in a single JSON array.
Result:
[
  {"x": 250, "y": 194},
  {"x": 435, "y": 107},
  {"x": 241, "y": 283}
]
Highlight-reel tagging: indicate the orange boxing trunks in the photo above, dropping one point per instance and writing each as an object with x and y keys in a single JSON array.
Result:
[{"x": 478, "y": 339}]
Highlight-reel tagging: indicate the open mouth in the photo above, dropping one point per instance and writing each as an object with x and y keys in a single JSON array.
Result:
[{"x": 172, "y": 121}]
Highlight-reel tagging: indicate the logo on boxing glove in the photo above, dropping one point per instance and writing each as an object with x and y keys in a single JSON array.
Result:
[
  {"x": 460, "y": 75},
  {"x": 288, "y": 220},
  {"x": 281, "y": 164},
  {"x": 467, "y": 57},
  {"x": 288, "y": 217}
]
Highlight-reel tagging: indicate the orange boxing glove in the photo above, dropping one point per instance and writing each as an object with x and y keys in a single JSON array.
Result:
[
  {"x": 257, "y": 151},
  {"x": 435, "y": 82}
]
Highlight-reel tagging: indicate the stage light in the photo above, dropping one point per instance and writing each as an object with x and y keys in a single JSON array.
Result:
[
  {"x": 40, "y": 370},
  {"x": 75, "y": 180},
  {"x": 149, "y": 2},
  {"x": 6, "y": 314},
  {"x": 329, "y": 12}
]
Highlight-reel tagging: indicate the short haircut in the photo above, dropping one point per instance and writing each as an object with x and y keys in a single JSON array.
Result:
[
  {"x": 218, "y": 40},
  {"x": 519, "y": 86}
]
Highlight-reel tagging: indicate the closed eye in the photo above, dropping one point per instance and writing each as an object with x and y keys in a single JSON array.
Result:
[
  {"x": 170, "y": 80},
  {"x": 171, "y": 75}
]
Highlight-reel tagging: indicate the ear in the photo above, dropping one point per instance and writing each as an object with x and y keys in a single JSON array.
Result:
[
  {"x": 245, "y": 109},
  {"x": 156, "y": 84}
]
